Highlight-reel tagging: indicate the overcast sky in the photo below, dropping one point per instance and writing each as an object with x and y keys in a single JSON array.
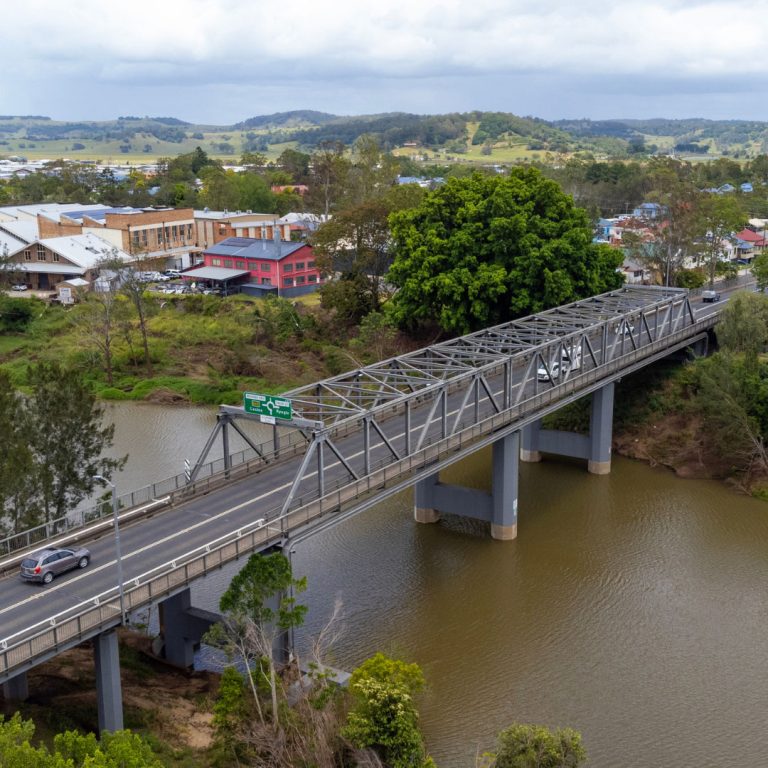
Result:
[{"x": 220, "y": 61}]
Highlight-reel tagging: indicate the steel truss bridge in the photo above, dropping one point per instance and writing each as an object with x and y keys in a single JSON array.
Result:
[
  {"x": 354, "y": 440},
  {"x": 367, "y": 431}
]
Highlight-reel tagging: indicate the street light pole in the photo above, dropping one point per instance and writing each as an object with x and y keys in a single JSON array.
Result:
[{"x": 118, "y": 554}]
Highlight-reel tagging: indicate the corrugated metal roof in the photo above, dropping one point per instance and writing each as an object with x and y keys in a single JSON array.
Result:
[
  {"x": 26, "y": 231},
  {"x": 253, "y": 248},
  {"x": 84, "y": 250},
  {"x": 48, "y": 268},
  {"x": 215, "y": 273},
  {"x": 10, "y": 242}
]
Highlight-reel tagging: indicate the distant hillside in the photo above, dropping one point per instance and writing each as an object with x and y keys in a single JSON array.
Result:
[
  {"x": 473, "y": 136},
  {"x": 286, "y": 119}
]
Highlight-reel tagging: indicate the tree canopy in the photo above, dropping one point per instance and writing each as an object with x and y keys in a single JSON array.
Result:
[{"x": 481, "y": 250}]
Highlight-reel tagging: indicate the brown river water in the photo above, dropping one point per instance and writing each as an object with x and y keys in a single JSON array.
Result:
[{"x": 631, "y": 607}]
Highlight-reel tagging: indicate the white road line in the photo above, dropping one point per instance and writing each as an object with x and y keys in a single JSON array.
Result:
[{"x": 68, "y": 582}]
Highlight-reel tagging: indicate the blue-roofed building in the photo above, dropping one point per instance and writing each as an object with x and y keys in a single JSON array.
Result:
[
  {"x": 649, "y": 211},
  {"x": 259, "y": 267}
]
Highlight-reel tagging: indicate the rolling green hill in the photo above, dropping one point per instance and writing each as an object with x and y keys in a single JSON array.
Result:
[{"x": 475, "y": 136}]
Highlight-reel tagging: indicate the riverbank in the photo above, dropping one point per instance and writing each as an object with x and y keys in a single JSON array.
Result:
[
  {"x": 171, "y": 708},
  {"x": 199, "y": 349}
]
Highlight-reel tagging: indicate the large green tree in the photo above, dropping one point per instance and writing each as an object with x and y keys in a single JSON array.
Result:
[
  {"x": 721, "y": 216},
  {"x": 484, "y": 249},
  {"x": 18, "y": 509},
  {"x": 67, "y": 438},
  {"x": 259, "y": 604}
]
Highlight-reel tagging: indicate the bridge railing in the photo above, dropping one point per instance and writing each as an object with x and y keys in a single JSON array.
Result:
[
  {"x": 171, "y": 488},
  {"x": 86, "y": 619}
]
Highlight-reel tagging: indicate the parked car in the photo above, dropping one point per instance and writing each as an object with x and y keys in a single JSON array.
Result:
[
  {"x": 709, "y": 297},
  {"x": 19, "y": 287},
  {"x": 42, "y": 566},
  {"x": 171, "y": 273},
  {"x": 625, "y": 327}
]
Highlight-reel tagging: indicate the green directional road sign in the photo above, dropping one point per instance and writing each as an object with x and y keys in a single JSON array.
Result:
[{"x": 268, "y": 405}]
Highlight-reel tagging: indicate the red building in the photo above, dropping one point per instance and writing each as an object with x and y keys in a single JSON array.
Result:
[{"x": 259, "y": 266}]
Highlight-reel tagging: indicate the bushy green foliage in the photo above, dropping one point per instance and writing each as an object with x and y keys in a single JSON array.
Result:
[
  {"x": 16, "y": 314},
  {"x": 121, "y": 749},
  {"x": 384, "y": 715},
  {"x": 536, "y": 746},
  {"x": 56, "y": 439},
  {"x": 482, "y": 250}
]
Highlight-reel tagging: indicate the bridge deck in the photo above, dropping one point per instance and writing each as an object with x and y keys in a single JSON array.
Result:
[{"x": 450, "y": 400}]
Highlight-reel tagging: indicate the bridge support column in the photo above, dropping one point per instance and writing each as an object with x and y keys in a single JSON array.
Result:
[
  {"x": 595, "y": 447},
  {"x": 108, "y": 689},
  {"x": 182, "y": 628},
  {"x": 17, "y": 688},
  {"x": 498, "y": 508},
  {"x": 505, "y": 487},
  {"x": 423, "y": 496},
  {"x": 529, "y": 442},
  {"x": 601, "y": 430}
]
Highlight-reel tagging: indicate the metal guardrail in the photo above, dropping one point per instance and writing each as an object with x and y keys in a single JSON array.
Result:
[
  {"x": 173, "y": 487},
  {"x": 102, "y": 612}
]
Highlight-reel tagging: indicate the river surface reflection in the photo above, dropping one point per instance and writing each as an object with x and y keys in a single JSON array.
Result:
[{"x": 631, "y": 607}]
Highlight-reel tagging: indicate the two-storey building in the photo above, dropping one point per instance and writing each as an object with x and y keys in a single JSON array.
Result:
[{"x": 259, "y": 267}]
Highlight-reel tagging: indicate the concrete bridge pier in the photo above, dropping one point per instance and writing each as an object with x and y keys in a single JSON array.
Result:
[
  {"x": 17, "y": 688},
  {"x": 594, "y": 447},
  {"x": 499, "y": 508},
  {"x": 109, "y": 696},
  {"x": 182, "y": 627}
]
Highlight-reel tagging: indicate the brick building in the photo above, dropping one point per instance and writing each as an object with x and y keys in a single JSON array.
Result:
[
  {"x": 213, "y": 227},
  {"x": 163, "y": 235},
  {"x": 260, "y": 267},
  {"x": 45, "y": 263}
]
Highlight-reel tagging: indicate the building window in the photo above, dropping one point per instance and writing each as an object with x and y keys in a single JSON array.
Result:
[
  {"x": 41, "y": 253},
  {"x": 288, "y": 268},
  {"x": 266, "y": 267},
  {"x": 310, "y": 265},
  {"x": 300, "y": 280},
  {"x": 144, "y": 236},
  {"x": 228, "y": 263},
  {"x": 27, "y": 255},
  {"x": 215, "y": 262},
  {"x": 311, "y": 278},
  {"x": 56, "y": 257},
  {"x": 240, "y": 264},
  {"x": 299, "y": 266},
  {"x": 266, "y": 281},
  {"x": 288, "y": 282},
  {"x": 174, "y": 231}
]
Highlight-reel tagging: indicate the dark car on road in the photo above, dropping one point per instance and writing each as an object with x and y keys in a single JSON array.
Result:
[
  {"x": 709, "y": 297},
  {"x": 42, "y": 566}
]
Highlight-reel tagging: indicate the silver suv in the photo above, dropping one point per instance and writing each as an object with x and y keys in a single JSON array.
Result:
[{"x": 44, "y": 565}]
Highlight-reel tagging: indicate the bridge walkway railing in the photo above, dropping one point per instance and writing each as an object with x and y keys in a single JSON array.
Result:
[{"x": 79, "y": 623}]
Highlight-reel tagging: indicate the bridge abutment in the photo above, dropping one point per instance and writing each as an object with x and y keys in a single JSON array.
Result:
[
  {"x": 17, "y": 688},
  {"x": 594, "y": 447},
  {"x": 499, "y": 508},
  {"x": 109, "y": 695},
  {"x": 182, "y": 628}
]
